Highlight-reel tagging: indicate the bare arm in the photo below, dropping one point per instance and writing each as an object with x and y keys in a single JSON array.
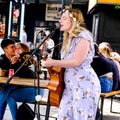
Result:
[{"x": 81, "y": 51}]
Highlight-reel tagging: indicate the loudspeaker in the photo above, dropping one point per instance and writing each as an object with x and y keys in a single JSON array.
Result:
[{"x": 106, "y": 27}]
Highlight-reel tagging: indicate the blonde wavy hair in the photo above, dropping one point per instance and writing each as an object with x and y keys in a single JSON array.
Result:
[
  {"x": 77, "y": 19},
  {"x": 105, "y": 49}
]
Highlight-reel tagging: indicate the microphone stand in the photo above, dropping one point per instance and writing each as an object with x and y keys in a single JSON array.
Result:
[
  {"x": 56, "y": 45},
  {"x": 38, "y": 58}
]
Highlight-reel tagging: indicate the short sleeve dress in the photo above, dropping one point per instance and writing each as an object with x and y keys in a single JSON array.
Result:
[{"x": 82, "y": 88}]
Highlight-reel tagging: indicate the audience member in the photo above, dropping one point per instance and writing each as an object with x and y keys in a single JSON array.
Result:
[
  {"x": 105, "y": 50},
  {"x": 8, "y": 47},
  {"x": 47, "y": 50},
  {"x": 48, "y": 46},
  {"x": 11, "y": 93},
  {"x": 2, "y": 30},
  {"x": 104, "y": 70},
  {"x": 24, "y": 36},
  {"x": 23, "y": 52}
]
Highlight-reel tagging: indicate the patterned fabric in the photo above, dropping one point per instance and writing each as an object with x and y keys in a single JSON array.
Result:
[{"x": 82, "y": 87}]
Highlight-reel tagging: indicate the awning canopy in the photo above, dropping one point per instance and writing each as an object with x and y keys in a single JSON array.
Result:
[{"x": 49, "y": 1}]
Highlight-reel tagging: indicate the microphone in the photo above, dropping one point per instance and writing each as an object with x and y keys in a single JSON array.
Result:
[
  {"x": 55, "y": 26},
  {"x": 40, "y": 31}
]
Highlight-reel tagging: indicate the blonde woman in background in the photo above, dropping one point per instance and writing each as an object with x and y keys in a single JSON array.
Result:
[{"x": 105, "y": 49}]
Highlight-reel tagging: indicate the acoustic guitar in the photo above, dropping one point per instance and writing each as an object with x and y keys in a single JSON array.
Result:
[{"x": 56, "y": 84}]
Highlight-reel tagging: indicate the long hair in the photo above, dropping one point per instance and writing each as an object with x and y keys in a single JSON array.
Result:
[
  {"x": 26, "y": 54},
  {"x": 24, "y": 47},
  {"x": 105, "y": 49},
  {"x": 77, "y": 19}
]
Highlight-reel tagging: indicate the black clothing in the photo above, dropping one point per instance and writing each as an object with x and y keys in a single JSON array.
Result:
[
  {"x": 98, "y": 114},
  {"x": 103, "y": 65},
  {"x": 24, "y": 72},
  {"x": 5, "y": 63}
]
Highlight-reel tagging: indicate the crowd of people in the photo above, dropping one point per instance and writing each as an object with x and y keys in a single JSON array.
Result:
[
  {"x": 87, "y": 67},
  {"x": 13, "y": 57},
  {"x": 106, "y": 68}
]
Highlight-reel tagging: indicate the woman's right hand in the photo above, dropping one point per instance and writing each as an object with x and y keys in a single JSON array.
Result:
[{"x": 14, "y": 59}]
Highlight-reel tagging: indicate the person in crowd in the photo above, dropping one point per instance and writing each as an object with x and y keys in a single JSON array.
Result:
[
  {"x": 47, "y": 50},
  {"x": 48, "y": 46},
  {"x": 24, "y": 36},
  {"x": 8, "y": 47},
  {"x": 104, "y": 70},
  {"x": 2, "y": 30},
  {"x": 9, "y": 91},
  {"x": 105, "y": 49},
  {"x": 23, "y": 52},
  {"x": 116, "y": 58},
  {"x": 82, "y": 87}
]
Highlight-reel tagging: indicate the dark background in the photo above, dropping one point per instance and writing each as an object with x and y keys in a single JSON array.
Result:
[{"x": 108, "y": 24}]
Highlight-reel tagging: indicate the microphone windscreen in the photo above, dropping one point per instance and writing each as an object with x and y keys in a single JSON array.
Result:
[{"x": 57, "y": 25}]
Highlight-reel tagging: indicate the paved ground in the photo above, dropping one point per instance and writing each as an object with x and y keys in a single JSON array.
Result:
[{"x": 107, "y": 114}]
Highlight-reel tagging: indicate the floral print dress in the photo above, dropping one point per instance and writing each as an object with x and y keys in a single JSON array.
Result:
[{"x": 82, "y": 87}]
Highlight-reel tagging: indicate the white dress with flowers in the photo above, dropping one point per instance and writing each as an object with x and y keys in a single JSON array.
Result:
[{"x": 82, "y": 87}]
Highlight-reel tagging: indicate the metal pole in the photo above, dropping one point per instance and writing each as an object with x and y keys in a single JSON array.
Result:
[
  {"x": 61, "y": 33},
  {"x": 63, "y": 4}
]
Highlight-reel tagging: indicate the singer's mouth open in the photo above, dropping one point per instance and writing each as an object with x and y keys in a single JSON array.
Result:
[{"x": 61, "y": 25}]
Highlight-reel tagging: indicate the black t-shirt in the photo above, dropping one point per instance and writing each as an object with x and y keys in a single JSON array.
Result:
[{"x": 24, "y": 72}]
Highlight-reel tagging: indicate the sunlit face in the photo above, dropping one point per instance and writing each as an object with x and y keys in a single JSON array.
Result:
[
  {"x": 18, "y": 49},
  {"x": 65, "y": 22},
  {"x": 10, "y": 50}
]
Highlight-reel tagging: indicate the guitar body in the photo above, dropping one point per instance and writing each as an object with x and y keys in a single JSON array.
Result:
[{"x": 56, "y": 85}]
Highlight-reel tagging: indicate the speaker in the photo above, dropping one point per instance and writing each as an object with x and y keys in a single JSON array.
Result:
[{"x": 106, "y": 27}]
